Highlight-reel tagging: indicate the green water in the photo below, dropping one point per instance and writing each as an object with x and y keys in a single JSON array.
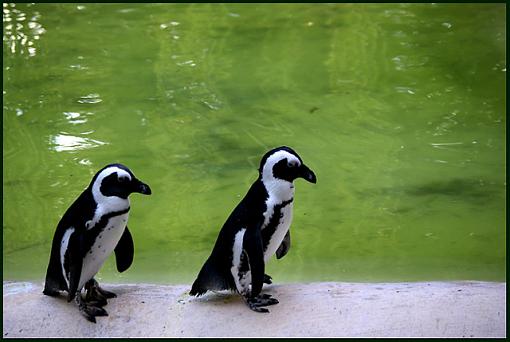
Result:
[{"x": 399, "y": 110}]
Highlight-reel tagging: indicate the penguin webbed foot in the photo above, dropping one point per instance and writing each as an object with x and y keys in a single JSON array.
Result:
[
  {"x": 98, "y": 303},
  {"x": 95, "y": 295},
  {"x": 90, "y": 312},
  {"x": 267, "y": 279},
  {"x": 257, "y": 303}
]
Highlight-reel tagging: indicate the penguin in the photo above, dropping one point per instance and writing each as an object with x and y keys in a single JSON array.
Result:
[
  {"x": 256, "y": 229},
  {"x": 93, "y": 227}
]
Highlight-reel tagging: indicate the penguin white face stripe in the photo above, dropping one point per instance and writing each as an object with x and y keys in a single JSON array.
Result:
[
  {"x": 96, "y": 187},
  {"x": 107, "y": 204},
  {"x": 237, "y": 250},
  {"x": 267, "y": 171},
  {"x": 63, "y": 248},
  {"x": 279, "y": 190}
]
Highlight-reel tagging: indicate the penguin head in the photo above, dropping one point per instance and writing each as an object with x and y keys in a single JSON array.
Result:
[
  {"x": 283, "y": 163},
  {"x": 118, "y": 181}
]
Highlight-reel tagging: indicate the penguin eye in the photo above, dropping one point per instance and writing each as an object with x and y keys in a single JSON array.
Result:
[
  {"x": 292, "y": 163},
  {"x": 123, "y": 179}
]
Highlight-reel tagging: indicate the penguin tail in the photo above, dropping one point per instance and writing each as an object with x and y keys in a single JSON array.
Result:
[
  {"x": 197, "y": 289},
  {"x": 209, "y": 278},
  {"x": 51, "y": 287},
  {"x": 54, "y": 282}
]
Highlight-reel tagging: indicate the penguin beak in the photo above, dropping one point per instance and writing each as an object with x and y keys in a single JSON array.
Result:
[
  {"x": 307, "y": 174},
  {"x": 141, "y": 188}
]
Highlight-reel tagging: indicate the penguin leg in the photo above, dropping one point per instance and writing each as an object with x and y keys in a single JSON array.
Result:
[
  {"x": 268, "y": 279},
  {"x": 105, "y": 293},
  {"x": 253, "y": 255},
  {"x": 96, "y": 295},
  {"x": 90, "y": 312},
  {"x": 244, "y": 278}
]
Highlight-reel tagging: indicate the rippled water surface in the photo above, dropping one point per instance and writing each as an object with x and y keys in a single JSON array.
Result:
[{"x": 399, "y": 110}]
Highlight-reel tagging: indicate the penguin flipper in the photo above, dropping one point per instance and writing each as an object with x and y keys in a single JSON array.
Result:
[
  {"x": 75, "y": 255},
  {"x": 124, "y": 251},
  {"x": 55, "y": 282},
  {"x": 284, "y": 247}
]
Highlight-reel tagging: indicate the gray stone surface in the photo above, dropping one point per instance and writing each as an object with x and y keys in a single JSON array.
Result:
[{"x": 434, "y": 309}]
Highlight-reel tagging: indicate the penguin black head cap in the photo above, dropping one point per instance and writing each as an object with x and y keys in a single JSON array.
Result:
[
  {"x": 285, "y": 164},
  {"x": 117, "y": 180}
]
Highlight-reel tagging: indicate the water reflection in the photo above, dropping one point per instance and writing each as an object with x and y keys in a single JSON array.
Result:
[
  {"x": 68, "y": 143},
  {"x": 75, "y": 118},
  {"x": 403, "y": 62},
  {"x": 20, "y": 35},
  {"x": 445, "y": 125},
  {"x": 90, "y": 99},
  {"x": 404, "y": 90},
  {"x": 199, "y": 92}
]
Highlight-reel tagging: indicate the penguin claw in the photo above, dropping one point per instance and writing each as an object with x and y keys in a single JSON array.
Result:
[
  {"x": 105, "y": 293},
  {"x": 270, "y": 301},
  {"x": 89, "y": 317},
  {"x": 266, "y": 299},
  {"x": 267, "y": 279}
]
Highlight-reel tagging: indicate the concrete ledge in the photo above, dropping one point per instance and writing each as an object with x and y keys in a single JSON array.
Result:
[{"x": 434, "y": 309}]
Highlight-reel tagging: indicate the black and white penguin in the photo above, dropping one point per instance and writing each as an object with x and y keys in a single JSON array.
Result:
[
  {"x": 92, "y": 228},
  {"x": 256, "y": 230}
]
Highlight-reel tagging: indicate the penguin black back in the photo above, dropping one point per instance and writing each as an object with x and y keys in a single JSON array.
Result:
[
  {"x": 81, "y": 210},
  {"x": 215, "y": 274}
]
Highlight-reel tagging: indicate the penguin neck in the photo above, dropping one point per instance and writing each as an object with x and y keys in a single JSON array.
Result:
[
  {"x": 105, "y": 205},
  {"x": 108, "y": 203},
  {"x": 113, "y": 203},
  {"x": 278, "y": 190}
]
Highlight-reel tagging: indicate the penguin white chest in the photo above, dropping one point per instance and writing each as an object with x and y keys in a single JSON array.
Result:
[
  {"x": 284, "y": 220},
  {"x": 103, "y": 246}
]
